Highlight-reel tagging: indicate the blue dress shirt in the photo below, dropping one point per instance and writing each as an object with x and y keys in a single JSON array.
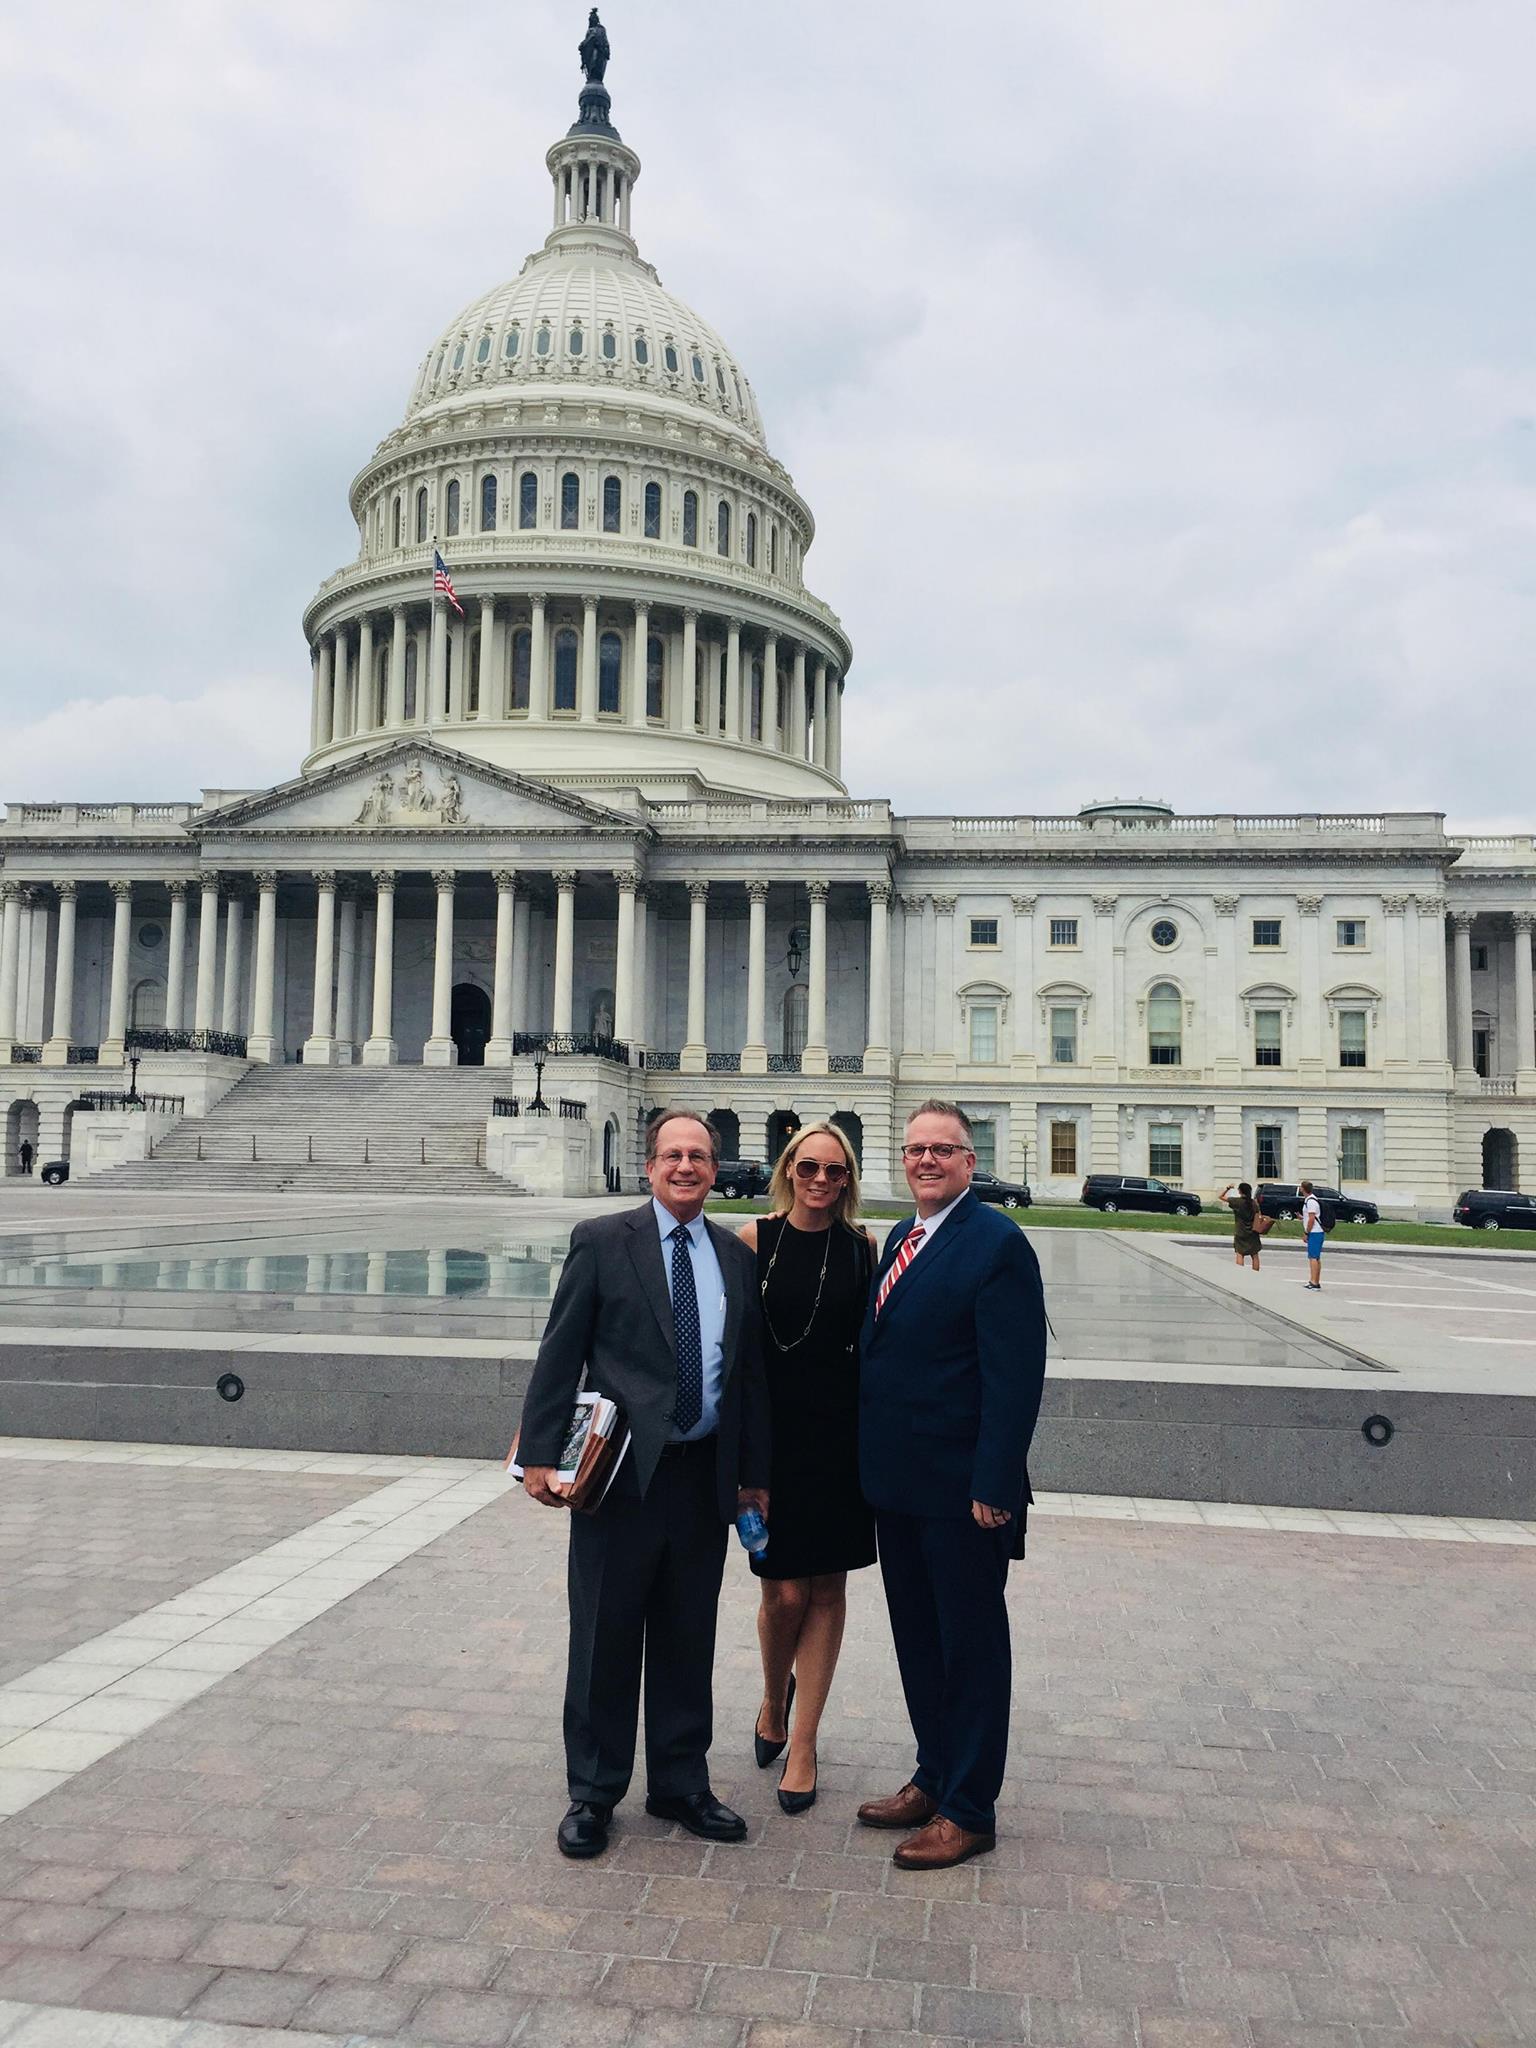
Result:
[{"x": 709, "y": 1285}]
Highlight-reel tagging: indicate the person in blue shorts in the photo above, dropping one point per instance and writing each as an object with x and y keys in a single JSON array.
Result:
[{"x": 1312, "y": 1224}]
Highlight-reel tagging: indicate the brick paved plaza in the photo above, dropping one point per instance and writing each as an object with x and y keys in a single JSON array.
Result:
[{"x": 1273, "y": 1781}]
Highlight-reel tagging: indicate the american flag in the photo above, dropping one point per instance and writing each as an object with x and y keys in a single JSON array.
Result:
[{"x": 442, "y": 583}]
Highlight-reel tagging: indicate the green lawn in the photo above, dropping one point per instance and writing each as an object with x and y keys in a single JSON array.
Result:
[{"x": 1217, "y": 1224}]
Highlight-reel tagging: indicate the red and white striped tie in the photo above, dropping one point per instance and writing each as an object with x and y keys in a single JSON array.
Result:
[{"x": 899, "y": 1264}]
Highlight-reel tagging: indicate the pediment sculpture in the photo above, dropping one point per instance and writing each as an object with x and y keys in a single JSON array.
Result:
[{"x": 413, "y": 800}]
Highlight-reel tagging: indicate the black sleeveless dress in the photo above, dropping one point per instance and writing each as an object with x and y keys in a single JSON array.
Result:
[{"x": 817, "y": 1517}]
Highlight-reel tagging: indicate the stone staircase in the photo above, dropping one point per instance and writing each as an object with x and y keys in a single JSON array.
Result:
[{"x": 333, "y": 1130}]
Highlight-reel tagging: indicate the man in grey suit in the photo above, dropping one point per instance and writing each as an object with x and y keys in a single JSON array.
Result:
[{"x": 657, "y": 1308}]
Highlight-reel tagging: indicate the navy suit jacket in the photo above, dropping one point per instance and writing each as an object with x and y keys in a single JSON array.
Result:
[{"x": 952, "y": 1370}]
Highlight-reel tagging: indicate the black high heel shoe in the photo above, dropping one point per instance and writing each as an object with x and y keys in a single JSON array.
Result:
[
  {"x": 769, "y": 1752},
  {"x": 797, "y": 1802}
]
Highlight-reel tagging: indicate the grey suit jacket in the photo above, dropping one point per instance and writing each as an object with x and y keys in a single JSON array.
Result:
[{"x": 610, "y": 1330}]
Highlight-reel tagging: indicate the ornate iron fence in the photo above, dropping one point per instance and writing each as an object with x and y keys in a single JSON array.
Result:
[
  {"x": 110, "y": 1098},
  {"x": 722, "y": 1063},
  {"x": 230, "y": 1043},
  {"x": 663, "y": 1062},
  {"x": 26, "y": 1055},
  {"x": 783, "y": 1063},
  {"x": 846, "y": 1063},
  {"x": 84, "y": 1055},
  {"x": 570, "y": 1044}
]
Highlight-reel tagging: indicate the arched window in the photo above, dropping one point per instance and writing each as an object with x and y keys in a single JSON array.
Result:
[
  {"x": 513, "y": 339},
  {"x": 541, "y": 342},
  {"x": 642, "y": 350},
  {"x": 797, "y": 1002},
  {"x": 751, "y": 540},
  {"x": 653, "y": 511},
  {"x": 411, "y": 659},
  {"x": 773, "y": 551},
  {"x": 522, "y": 667},
  {"x": 610, "y": 345},
  {"x": 472, "y": 669},
  {"x": 451, "y": 508},
  {"x": 487, "y": 504},
  {"x": 570, "y": 501},
  {"x": 1165, "y": 1025},
  {"x": 575, "y": 341},
  {"x": 655, "y": 676},
  {"x": 483, "y": 349},
  {"x": 565, "y": 669},
  {"x": 399, "y": 515},
  {"x": 146, "y": 1009},
  {"x": 527, "y": 500},
  {"x": 421, "y": 513},
  {"x": 613, "y": 504},
  {"x": 458, "y": 357},
  {"x": 723, "y": 528},
  {"x": 698, "y": 686},
  {"x": 690, "y": 519},
  {"x": 698, "y": 368},
  {"x": 757, "y": 700},
  {"x": 610, "y": 668},
  {"x": 669, "y": 357},
  {"x": 381, "y": 686}
]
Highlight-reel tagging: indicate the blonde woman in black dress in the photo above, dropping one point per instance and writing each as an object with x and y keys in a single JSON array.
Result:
[{"x": 814, "y": 1263}]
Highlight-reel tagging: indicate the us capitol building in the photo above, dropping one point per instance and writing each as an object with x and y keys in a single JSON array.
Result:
[{"x": 599, "y": 820}]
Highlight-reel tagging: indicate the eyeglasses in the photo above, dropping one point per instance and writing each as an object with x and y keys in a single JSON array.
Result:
[
  {"x": 942, "y": 1153},
  {"x": 681, "y": 1158},
  {"x": 808, "y": 1169}
]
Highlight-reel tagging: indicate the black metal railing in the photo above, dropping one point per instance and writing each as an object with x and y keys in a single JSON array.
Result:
[
  {"x": 577, "y": 1111},
  {"x": 783, "y": 1063},
  {"x": 846, "y": 1063},
  {"x": 567, "y": 1044},
  {"x": 26, "y": 1055},
  {"x": 722, "y": 1063},
  {"x": 230, "y": 1043},
  {"x": 663, "y": 1062},
  {"x": 111, "y": 1098},
  {"x": 509, "y": 1105},
  {"x": 85, "y": 1055}
]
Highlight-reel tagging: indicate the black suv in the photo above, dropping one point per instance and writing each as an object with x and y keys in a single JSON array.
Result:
[
  {"x": 1113, "y": 1191},
  {"x": 1012, "y": 1194},
  {"x": 741, "y": 1177},
  {"x": 1283, "y": 1199},
  {"x": 1496, "y": 1209}
]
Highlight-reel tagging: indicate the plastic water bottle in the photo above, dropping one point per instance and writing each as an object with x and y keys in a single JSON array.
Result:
[{"x": 753, "y": 1531}]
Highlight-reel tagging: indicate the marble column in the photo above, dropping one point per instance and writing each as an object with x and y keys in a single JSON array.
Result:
[
  {"x": 565, "y": 947},
  {"x": 771, "y": 691},
  {"x": 1310, "y": 1063},
  {"x": 521, "y": 949},
  {"x": 498, "y": 1047},
  {"x": 264, "y": 1044},
  {"x": 1395, "y": 1010},
  {"x": 754, "y": 1053},
  {"x": 176, "y": 959},
  {"x": 207, "y": 950},
  {"x": 586, "y": 693},
  {"x": 340, "y": 656},
  {"x": 457, "y": 697},
  {"x": 366, "y": 717},
  {"x": 229, "y": 1016},
  {"x": 440, "y": 1050},
  {"x": 397, "y": 645},
  {"x": 346, "y": 977},
  {"x": 538, "y": 659},
  {"x": 117, "y": 1001},
  {"x": 56, "y": 1050},
  {"x": 819, "y": 716},
  {"x": 10, "y": 961},
  {"x": 639, "y": 669},
  {"x": 320, "y": 1046},
  {"x": 694, "y": 1058},
  {"x": 1462, "y": 922},
  {"x": 1525, "y": 1005},
  {"x": 736, "y": 714},
  {"x": 324, "y": 693},
  {"x": 641, "y": 1021},
  {"x": 942, "y": 981},
  {"x": 835, "y": 723},
  {"x": 814, "y": 1058},
  {"x": 379, "y": 1051},
  {"x": 1024, "y": 1012},
  {"x": 877, "y": 1048},
  {"x": 913, "y": 1040},
  {"x": 492, "y": 697},
  {"x": 683, "y": 684},
  {"x": 1228, "y": 1058},
  {"x": 437, "y": 666},
  {"x": 797, "y": 706},
  {"x": 624, "y": 956}
]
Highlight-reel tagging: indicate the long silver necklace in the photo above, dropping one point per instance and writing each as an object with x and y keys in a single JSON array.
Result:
[{"x": 773, "y": 1260}]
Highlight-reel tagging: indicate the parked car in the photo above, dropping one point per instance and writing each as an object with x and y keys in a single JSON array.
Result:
[
  {"x": 1496, "y": 1209},
  {"x": 1283, "y": 1199},
  {"x": 735, "y": 1177},
  {"x": 54, "y": 1173},
  {"x": 1012, "y": 1194},
  {"x": 1114, "y": 1191}
]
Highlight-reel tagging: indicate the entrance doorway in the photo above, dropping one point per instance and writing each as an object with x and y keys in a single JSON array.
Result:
[
  {"x": 851, "y": 1124},
  {"x": 20, "y": 1128},
  {"x": 470, "y": 1023},
  {"x": 782, "y": 1126},
  {"x": 1501, "y": 1160},
  {"x": 728, "y": 1125},
  {"x": 611, "y": 1169}
]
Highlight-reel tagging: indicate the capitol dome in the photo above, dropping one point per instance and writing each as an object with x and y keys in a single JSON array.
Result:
[{"x": 587, "y": 456}]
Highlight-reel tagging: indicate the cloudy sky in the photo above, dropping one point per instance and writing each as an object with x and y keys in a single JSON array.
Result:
[{"x": 1162, "y": 373}]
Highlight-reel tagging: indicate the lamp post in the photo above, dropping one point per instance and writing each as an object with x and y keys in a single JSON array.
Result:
[
  {"x": 133, "y": 1077},
  {"x": 538, "y": 1105}
]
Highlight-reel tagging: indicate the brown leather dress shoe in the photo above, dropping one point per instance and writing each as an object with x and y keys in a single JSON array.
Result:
[
  {"x": 940, "y": 1846},
  {"x": 908, "y": 1808}
]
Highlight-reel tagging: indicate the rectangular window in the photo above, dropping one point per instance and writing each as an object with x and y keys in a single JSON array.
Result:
[
  {"x": 1266, "y": 931},
  {"x": 1479, "y": 959},
  {"x": 1063, "y": 1148},
  {"x": 983, "y": 931},
  {"x": 1351, "y": 1038},
  {"x": 1266, "y": 1038},
  {"x": 1353, "y": 1158},
  {"x": 1063, "y": 931},
  {"x": 984, "y": 1140},
  {"x": 1349, "y": 932},
  {"x": 983, "y": 1034},
  {"x": 1480, "y": 1037},
  {"x": 1064, "y": 1038},
  {"x": 1165, "y": 1151},
  {"x": 1267, "y": 1152}
]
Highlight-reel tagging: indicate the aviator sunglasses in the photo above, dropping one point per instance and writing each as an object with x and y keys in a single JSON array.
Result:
[{"x": 807, "y": 1169}]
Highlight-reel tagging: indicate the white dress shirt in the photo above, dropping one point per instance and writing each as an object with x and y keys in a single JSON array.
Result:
[
  {"x": 709, "y": 1286},
  {"x": 931, "y": 1223}
]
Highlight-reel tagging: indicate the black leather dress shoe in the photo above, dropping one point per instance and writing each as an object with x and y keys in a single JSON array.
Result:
[
  {"x": 765, "y": 1751},
  {"x": 701, "y": 1814},
  {"x": 584, "y": 1831}
]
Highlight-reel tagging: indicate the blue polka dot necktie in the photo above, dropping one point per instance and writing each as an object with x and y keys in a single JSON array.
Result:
[{"x": 689, "y": 1406}]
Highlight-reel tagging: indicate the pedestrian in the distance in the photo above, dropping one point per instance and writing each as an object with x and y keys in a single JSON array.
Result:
[
  {"x": 1246, "y": 1241},
  {"x": 1312, "y": 1225},
  {"x": 26, "y": 1155}
]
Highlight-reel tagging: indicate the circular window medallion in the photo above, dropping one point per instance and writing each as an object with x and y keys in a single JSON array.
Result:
[
  {"x": 150, "y": 936},
  {"x": 1165, "y": 932}
]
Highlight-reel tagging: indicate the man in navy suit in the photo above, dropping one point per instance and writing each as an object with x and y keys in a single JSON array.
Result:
[{"x": 952, "y": 1370}]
